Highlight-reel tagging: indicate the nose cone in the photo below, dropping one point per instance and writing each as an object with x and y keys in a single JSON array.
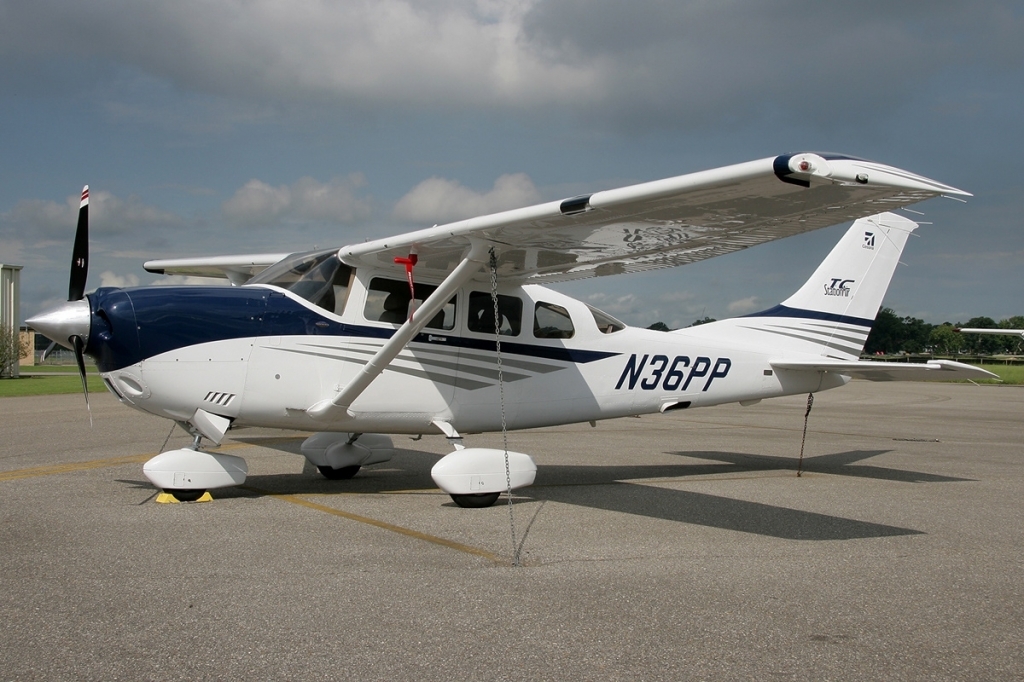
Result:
[{"x": 66, "y": 320}]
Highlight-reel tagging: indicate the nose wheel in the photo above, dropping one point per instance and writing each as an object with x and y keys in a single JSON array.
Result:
[{"x": 185, "y": 495}]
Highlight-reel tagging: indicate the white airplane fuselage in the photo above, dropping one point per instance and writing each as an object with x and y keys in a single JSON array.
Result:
[{"x": 300, "y": 354}]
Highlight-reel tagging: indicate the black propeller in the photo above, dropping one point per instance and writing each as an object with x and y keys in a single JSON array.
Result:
[
  {"x": 69, "y": 324},
  {"x": 76, "y": 286},
  {"x": 80, "y": 255}
]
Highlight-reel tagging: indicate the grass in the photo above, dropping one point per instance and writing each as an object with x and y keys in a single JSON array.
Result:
[
  {"x": 56, "y": 369},
  {"x": 1011, "y": 375},
  {"x": 62, "y": 382}
]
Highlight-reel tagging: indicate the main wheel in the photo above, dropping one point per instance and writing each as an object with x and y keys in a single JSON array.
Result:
[
  {"x": 340, "y": 473},
  {"x": 476, "y": 500},
  {"x": 186, "y": 495}
]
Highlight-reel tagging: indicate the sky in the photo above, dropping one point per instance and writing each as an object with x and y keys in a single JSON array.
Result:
[{"x": 208, "y": 127}]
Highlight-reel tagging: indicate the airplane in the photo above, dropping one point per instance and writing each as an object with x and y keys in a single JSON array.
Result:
[
  {"x": 994, "y": 332},
  {"x": 451, "y": 330}
]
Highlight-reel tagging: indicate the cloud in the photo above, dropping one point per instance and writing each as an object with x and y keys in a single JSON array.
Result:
[
  {"x": 334, "y": 202},
  {"x": 437, "y": 200},
  {"x": 48, "y": 220},
  {"x": 112, "y": 279},
  {"x": 744, "y": 305},
  {"x": 679, "y": 63}
]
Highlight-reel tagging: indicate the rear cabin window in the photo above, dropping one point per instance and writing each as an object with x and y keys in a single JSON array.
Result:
[
  {"x": 387, "y": 300},
  {"x": 552, "y": 321},
  {"x": 481, "y": 314}
]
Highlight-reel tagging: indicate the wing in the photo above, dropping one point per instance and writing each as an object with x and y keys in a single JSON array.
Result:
[
  {"x": 237, "y": 269},
  {"x": 933, "y": 370},
  {"x": 664, "y": 223}
]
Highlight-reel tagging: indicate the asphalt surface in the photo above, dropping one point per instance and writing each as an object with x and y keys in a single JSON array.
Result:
[{"x": 679, "y": 546}]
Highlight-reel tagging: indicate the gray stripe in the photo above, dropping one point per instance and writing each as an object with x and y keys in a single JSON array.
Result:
[
  {"x": 518, "y": 364},
  {"x": 846, "y": 349},
  {"x": 827, "y": 333},
  {"x": 446, "y": 379},
  {"x": 468, "y": 354},
  {"x": 535, "y": 367},
  {"x": 843, "y": 328},
  {"x": 454, "y": 367}
]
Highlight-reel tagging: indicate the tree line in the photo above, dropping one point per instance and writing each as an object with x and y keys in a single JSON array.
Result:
[{"x": 894, "y": 334}]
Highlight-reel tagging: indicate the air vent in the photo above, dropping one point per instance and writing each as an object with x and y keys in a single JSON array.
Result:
[{"x": 222, "y": 399}]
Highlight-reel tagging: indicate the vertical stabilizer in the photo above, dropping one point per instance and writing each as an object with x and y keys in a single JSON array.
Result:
[
  {"x": 832, "y": 313},
  {"x": 851, "y": 282}
]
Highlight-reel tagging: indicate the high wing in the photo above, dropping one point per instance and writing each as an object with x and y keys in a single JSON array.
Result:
[
  {"x": 663, "y": 223},
  {"x": 238, "y": 269},
  {"x": 933, "y": 370}
]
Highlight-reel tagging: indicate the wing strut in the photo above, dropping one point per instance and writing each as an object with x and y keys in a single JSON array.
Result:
[{"x": 463, "y": 272}]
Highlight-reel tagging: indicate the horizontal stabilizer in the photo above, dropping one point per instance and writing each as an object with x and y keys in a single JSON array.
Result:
[{"x": 873, "y": 370}]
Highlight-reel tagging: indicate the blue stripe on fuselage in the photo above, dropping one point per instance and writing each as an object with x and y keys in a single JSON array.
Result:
[
  {"x": 783, "y": 311},
  {"x": 131, "y": 325}
]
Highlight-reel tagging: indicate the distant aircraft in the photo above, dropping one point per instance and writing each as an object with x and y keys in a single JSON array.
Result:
[
  {"x": 999, "y": 332},
  {"x": 449, "y": 330}
]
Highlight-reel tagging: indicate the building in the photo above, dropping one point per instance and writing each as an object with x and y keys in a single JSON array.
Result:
[{"x": 10, "y": 312}]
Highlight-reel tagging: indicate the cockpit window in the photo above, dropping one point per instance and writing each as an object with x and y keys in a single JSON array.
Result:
[
  {"x": 317, "y": 276},
  {"x": 605, "y": 322}
]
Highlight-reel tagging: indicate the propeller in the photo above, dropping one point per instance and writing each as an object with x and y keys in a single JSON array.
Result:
[
  {"x": 76, "y": 286},
  {"x": 80, "y": 254},
  {"x": 69, "y": 323}
]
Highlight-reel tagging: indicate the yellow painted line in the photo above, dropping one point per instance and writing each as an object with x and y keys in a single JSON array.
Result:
[
  {"x": 71, "y": 467},
  {"x": 401, "y": 530}
]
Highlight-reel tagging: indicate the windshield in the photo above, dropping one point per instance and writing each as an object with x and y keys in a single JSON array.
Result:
[{"x": 317, "y": 276}]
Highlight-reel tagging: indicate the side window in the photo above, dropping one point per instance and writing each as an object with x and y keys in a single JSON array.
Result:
[
  {"x": 552, "y": 321},
  {"x": 481, "y": 314},
  {"x": 605, "y": 322},
  {"x": 387, "y": 300}
]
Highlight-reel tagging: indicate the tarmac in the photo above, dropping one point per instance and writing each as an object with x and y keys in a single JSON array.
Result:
[{"x": 677, "y": 546}]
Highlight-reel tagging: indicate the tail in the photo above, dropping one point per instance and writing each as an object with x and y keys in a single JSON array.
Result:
[{"x": 832, "y": 313}]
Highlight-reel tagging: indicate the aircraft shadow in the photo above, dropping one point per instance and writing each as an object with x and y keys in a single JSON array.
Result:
[
  {"x": 838, "y": 464},
  {"x": 612, "y": 488},
  {"x": 715, "y": 511}
]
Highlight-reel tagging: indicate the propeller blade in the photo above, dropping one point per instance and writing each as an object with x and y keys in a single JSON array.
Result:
[
  {"x": 49, "y": 349},
  {"x": 79, "y": 346},
  {"x": 80, "y": 255}
]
